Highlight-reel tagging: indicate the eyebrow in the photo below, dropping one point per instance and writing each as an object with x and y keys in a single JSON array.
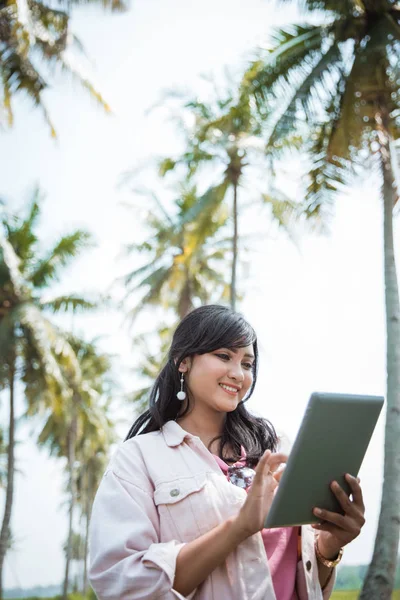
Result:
[{"x": 236, "y": 350}]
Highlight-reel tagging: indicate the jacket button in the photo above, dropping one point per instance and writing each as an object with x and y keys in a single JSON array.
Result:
[
  {"x": 308, "y": 565},
  {"x": 174, "y": 492}
]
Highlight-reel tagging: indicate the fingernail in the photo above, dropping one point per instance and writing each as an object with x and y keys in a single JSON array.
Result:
[{"x": 317, "y": 511}]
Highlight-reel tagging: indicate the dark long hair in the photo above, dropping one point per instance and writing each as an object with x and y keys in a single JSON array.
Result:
[{"x": 203, "y": 330}]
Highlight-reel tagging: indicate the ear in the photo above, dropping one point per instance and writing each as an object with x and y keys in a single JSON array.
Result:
[{"x": 185, "y": 365}]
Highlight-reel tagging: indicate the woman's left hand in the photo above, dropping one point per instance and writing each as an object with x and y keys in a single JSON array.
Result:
[{"x": 338, "y": 530}]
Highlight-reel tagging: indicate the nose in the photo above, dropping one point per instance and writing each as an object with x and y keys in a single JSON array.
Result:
[{"x": 236, "y": 373}]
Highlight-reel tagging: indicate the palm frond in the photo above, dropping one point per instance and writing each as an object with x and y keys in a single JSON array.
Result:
[
  {"x": 47, "y": 344},
  {"x": 208, "y": 202},
  {"x": 143, "y": 270},
  {"x": 18, "y": 74},
  {"x": 155, "y": 282},
  {"x": 307, "y": 101},
  {"x": 7, "y": 95},
  {"x": 59, "y": 256},
  {"x": 113, "y": 5},
  {"x": 71, "y": 65},
  {"x": 158, "y": 204},
  {"x": 343, "y": 8},
  {"x": 10, "y": 262},
  {"x": 327, "y": 177},
  {"x": 68, "y": 304},
  {"x": 140, "y": 399},
  {"x": 293, "y": 52},
  {"x": 21, "y": 232},
  {"x": 32, "y": 29},
  {"x": 284, "y": 213}
]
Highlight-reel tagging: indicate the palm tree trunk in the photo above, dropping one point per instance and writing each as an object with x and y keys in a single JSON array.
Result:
[
  {"x": 379, "y": 581},
  {"x": 234, "y": 247},
  {"x": 185, "y": 303},
  {"x": 71, "y": 463},
  {"x": 5, "y": 528},
  {"x": 89, "y": 494}
]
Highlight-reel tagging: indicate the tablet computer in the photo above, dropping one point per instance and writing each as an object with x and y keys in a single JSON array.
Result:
[{"x": 332, "y": 441}]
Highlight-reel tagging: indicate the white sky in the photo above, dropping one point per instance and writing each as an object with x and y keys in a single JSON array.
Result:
[{"x": 319, "y": 313}]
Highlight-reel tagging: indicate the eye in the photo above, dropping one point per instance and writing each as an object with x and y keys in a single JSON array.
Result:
[
  {"x": 223, "y": 356},
  {"x": 248, "y": 366}
]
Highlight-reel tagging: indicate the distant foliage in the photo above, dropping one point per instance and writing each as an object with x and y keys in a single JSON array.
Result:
[
  {"x": 75, "y": 596},
  {"x": 351, "y": 577}
]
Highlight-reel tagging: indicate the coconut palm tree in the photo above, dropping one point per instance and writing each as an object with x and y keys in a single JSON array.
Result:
[
  {"x": 30, "y": 29},
  {"x": 221, "y": 134},
  {"x": 225, "y": 136},
  {"x": 95, "y": 435},
  {"x": 93, "y": 460},
  {"x": 338, "y": 77},
  {"x": 182, "y": 256},
  {"x": 82, "y": 432},
  {"x": 31, "y": 347}
]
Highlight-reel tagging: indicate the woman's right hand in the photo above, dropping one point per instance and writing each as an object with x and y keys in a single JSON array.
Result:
[{"x": 252, "y": 514}]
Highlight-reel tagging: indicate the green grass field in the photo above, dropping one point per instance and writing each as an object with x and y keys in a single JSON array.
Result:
[{"x": 349, "y": 595}]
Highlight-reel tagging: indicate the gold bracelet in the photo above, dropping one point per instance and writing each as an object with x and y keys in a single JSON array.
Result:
[{"x": 324, "y": 561}]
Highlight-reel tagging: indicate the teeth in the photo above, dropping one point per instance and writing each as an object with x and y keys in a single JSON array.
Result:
[{"x": 227, "y": 387}]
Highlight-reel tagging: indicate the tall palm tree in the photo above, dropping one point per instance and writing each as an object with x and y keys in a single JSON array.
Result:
[
  {"x": 93, "y": 461},
  {"x": 225, "y": 135},
  {"x": 182, "y": 256},
  {"x": 340, "y": 80},
  {"x": 30, "y": 29},
  {"x": 222, "y": 134},
  {"x": 96, "y": 432},
  {"x": 31, "y": 347},
  {"x": 82, "y": 432}
]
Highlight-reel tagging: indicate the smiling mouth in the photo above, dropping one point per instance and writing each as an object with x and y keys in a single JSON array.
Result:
[{"x": 229, "y": 390}]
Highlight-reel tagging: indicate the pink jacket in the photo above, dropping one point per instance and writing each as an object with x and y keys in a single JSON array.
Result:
[{"x": 160, "y": 491}]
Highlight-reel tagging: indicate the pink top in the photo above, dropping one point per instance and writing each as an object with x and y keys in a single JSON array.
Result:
[{"x": 281, "y": 547}]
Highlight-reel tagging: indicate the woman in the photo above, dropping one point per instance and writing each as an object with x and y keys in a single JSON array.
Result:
[{"x": 180, "y": 513}]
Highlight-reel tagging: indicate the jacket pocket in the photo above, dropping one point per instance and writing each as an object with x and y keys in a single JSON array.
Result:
[
  {"x": 171, "y": 492},
  {"x": 188, "y": 506}
]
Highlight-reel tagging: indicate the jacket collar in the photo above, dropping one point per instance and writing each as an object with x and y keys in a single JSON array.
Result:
[{"x": 174, "y": 434}]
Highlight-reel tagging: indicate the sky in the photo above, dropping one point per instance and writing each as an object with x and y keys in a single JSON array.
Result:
[{"x": 318, "y": 308}]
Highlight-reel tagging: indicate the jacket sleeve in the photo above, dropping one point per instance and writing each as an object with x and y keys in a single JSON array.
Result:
[
  {"x": 127, "y": 561},
  {"x": 307, "y": 580}
]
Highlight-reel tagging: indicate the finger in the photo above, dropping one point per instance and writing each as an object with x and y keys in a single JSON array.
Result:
[
  {"x": 354, "y": 483},
  {"x": 332, "y": 517},
  {"x": 336, "y": 531},
  {"x": 263, "y": 465},
  {"x": 278, "y": 474},
  {"x": 264, "y": 459},
  {"x": 261, "y": 472},
  {"x": 350, "y": 508},
  {"x": 277, "y": 459},
  {"x": 346, "y": 523}
]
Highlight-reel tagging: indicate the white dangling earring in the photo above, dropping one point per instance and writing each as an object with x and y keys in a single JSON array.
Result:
[{"x": 181, "y": 395}]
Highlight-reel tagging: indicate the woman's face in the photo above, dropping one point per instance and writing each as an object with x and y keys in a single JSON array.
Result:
[{"x": 220, "y": 379}]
